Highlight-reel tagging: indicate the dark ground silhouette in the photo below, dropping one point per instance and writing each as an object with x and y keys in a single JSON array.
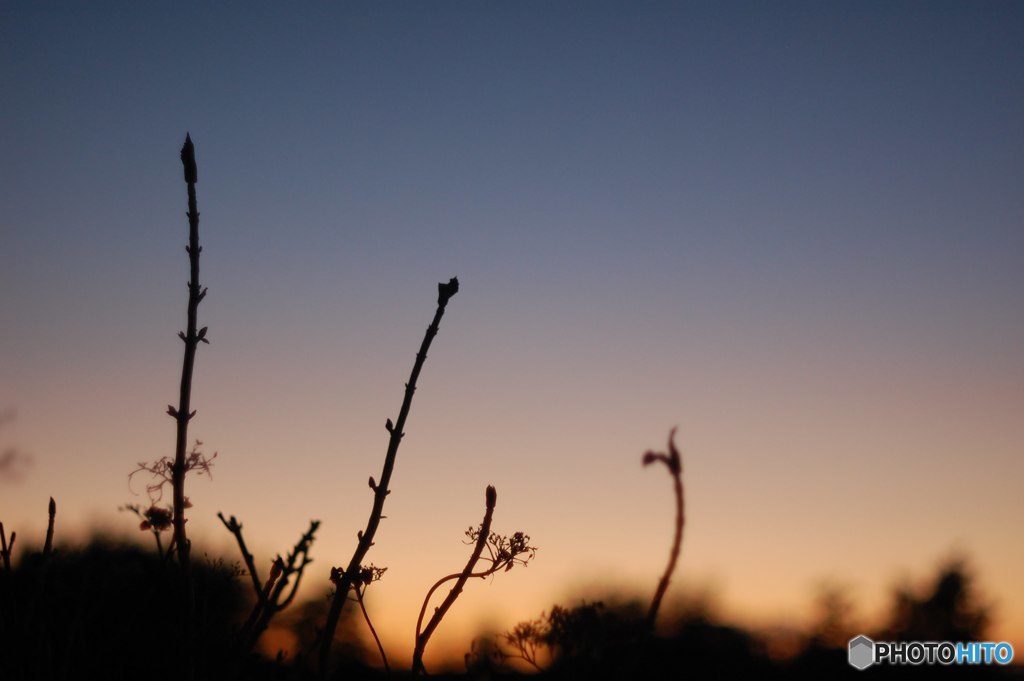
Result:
[{"x": 109, "y": 610}]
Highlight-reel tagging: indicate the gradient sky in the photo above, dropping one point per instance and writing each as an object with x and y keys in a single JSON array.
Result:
[{"x": 793, "y": 230}]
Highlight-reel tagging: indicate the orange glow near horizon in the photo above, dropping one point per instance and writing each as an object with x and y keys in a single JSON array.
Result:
[{"x": 608, "y": 540}]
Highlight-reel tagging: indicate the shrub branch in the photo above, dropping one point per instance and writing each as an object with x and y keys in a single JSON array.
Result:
[{"x": 270, "y": 595}]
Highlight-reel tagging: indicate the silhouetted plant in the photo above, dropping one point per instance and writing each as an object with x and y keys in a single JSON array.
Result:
[
  {"x": 674, "y": 464},
  {"x": 52, "y": 513},
  {"x": 191, "y": 337},
  {"x": 503, "y": 554},
  {"x": 270, "y": 595},
  {"x": 588, "y": 631},
  {"x": 950, "y": 610},
  {"x": 346, "y": 575},
  {"x": 108, "y": 612},
  {"x": 175, "y": 470},
  {"x": 157, "y": 518},
  {"x": 367, "y": 575},
  {"x": 577, "y": 640},
  {"x": 526, "y": 639},
  {"x": 5, "y": 548},
  {"x": 583, "y": 631},
  {"x": 485, "y": 658}
]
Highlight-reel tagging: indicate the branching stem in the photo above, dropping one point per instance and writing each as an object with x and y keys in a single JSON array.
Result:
[{"x": 423, "y": 634}]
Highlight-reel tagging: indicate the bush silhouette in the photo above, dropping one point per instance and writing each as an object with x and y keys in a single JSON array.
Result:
[{"x": 109, "y": 610}]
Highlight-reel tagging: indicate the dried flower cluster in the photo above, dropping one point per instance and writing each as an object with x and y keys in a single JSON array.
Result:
[
  {"x": 162, "y": 472},
  {"x": 504, "y": 551}
]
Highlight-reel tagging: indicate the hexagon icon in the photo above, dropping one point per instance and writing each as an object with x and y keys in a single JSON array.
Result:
[{"x": 862, "y": 652}]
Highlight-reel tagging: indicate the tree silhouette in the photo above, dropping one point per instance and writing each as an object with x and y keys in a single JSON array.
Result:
[{"x": 951, "y": 610}]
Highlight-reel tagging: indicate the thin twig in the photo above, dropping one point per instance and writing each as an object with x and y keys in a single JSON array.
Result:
[
  {"x": 423, "y": 635},
  {"x": 366, "y": 616},
  {"x": 235, "y": 528},
  {"x": 674, "y": 464},
  {"x": 381, "y": 491}
]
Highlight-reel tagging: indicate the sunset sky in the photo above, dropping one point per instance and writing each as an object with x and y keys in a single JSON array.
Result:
[{"x": 794, "y": 230}]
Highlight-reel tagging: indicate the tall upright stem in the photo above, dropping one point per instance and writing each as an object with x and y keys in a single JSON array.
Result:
[
  {"x": 380, "y": 490},
  {"x": 191, "y": 338},
  {"x": 184, "y": 412}
]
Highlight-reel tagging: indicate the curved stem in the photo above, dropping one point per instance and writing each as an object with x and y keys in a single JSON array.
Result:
[
  {"x": 366, "y": 616},
  {"x": 675, "y": 467},
  {"x": 461, "y": 578}
]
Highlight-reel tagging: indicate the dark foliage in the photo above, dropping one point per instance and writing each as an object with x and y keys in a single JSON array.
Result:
[{"x": 109, "y": 611}]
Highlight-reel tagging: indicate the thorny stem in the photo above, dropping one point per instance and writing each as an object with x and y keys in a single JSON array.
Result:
[
  {"x": 674, "y": 464},
  {"x": 422, "y": 636},
  {"x": 380, "y": 490},
  {"x": 366, "y": 616},
  {"x": 48, "y": 546}
]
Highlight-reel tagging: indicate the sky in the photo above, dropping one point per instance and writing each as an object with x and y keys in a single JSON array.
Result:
[{"x": 794, "y": 231}]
